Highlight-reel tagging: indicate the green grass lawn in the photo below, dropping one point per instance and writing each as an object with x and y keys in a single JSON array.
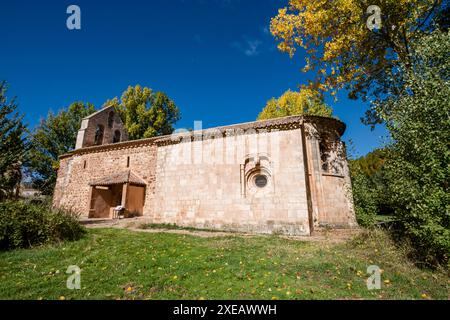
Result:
[{"x": 123, "y": 264}]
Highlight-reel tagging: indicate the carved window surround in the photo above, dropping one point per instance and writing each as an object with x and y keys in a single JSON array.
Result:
[{"x": 252, "y": 169}]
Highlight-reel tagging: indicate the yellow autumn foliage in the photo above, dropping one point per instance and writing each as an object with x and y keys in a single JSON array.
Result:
[
  {"x": 306, "y": 101},
  {"x": 339, "y": 45}
]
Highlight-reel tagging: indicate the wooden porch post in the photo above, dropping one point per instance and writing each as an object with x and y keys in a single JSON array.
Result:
[
  {"x": 89, "y": 204},
  {"x": 124, "y": 195}
]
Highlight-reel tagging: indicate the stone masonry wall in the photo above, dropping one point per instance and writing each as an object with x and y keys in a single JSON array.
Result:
[
  {"x": 209, "y": 191},
  {"x": 86, "y": 134},
  {"x": 72, "y": 186},
  {"x": 215, "y": 181},
  {"x": 331, "y": 198}
]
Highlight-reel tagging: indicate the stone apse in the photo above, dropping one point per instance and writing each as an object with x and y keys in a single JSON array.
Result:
[{"x": 287, "y": 176}]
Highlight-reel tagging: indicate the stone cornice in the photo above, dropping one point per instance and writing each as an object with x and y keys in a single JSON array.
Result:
[{"x": 280, "y": 124}]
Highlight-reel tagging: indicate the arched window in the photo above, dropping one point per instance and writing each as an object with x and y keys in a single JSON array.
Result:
[
  {"x": 116, "y": 137},
  {"x": 99, "y": 134},
  {"x": 110, "y": 119},
  {"x": 331, "y": 156},
  {"x": 256, "y": 178},
  {"x": 324, "y": 155}
]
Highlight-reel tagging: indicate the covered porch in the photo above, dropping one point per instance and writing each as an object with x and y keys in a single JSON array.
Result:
[{"x": 124, "y": 189}]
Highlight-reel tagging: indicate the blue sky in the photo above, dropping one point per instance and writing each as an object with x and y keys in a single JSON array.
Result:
[{"x": 214, "y": 58}]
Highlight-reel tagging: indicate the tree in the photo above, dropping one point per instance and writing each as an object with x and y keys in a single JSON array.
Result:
[
  {"x": 418, "y": 161},
  {"x": 13, "y": 145},
  {"x": 371, "y": 163},
  {"x": 53, "y": 137},
  {"x": 146, "y": 113},
  {"x": 365, "y": 198},
  {"x": 369, "y": 184},
  {"x": 307, "y": 101},
  {"x": 343, "y": 51},
  {"x": 442, "y": 18}
]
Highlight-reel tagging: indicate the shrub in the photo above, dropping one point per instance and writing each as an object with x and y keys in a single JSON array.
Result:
[
  {"x": 365, "y": 194},
  {"x": 365, "y": 199},
  {"x": 370, "y": 183},
  {"x": 23, "y": 225},
  {"x": 418, "y": 161}
]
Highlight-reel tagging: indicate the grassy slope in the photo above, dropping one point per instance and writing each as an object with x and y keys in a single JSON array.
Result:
[{"x": 138, "y": 265}]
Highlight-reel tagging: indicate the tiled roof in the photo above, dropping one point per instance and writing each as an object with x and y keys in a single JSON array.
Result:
[{"x": 119, "y": 178}]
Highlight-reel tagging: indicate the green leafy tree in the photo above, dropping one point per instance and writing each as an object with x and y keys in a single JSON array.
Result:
[
  {"x": 369, "y": 184},
  {"x": 13, "y": 145},
  {"x": 371, "y": 163},
  {"x": 146, "y": 113},
  {"x": 307, "y": 101},
  {"x": 364, "y": 198},
  {"x": 418, "y": 162},
  {"x": 53, "y": 137}
]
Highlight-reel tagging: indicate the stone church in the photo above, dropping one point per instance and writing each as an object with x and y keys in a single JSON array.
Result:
[{"x": 286, "y": 175}]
